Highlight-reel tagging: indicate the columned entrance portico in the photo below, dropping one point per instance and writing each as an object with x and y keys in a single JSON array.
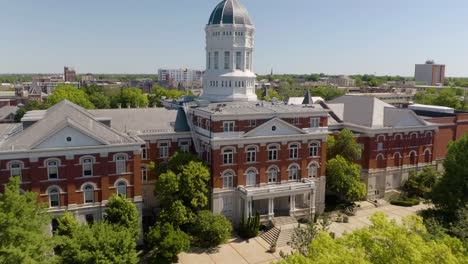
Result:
[{"x": 293, "y": 199}]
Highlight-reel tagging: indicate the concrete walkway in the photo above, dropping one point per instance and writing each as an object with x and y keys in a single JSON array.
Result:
[{"x": 255, "y": 250}]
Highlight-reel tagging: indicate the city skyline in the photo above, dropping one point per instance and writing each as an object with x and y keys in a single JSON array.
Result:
[{"x": 336, "y": 37}]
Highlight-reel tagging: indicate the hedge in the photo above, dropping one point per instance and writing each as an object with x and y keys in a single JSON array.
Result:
[{"x": 407, "y": 202}]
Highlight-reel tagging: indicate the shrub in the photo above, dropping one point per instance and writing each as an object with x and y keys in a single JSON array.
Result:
[
  {"x": 407, "y": 202},
  {"x": 210, "y": 230},
  {"x": 164, "y": 243},
  {"x": 250, "y": 228}
]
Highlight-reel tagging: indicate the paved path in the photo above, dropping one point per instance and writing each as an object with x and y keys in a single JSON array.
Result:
[{"x": 255, "y": 250}]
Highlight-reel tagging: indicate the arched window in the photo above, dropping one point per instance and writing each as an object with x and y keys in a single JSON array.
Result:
[
  {"x": 16, "y": 169},
  {"x": 228, "y": 180},
  {"x": 272, "y": 175},
  {"x": 380, "y": 161},
  {"x": 120, "y": 164},
  {"x": 313, "y": 149},
  {"x": 251, "y": 154},
  {"x": 293, "y": 173},
  {"x": 144, "y": 174},
  {"x": 122, "y": 188},
  {"x": 228, "y": 156},
  {"x": 397, "y": 160},
  {"x": 87, "y": 165},
  {"x": 272, "y": 152},
  {"x": 52, "y": 169},
  {"x": 251, "y": 178},
  {"x": 88, "y": 193},
  {"x": 427, "y": 156},
  {"x": 413, "y": 158},
  {"x": 293, "y": 151},
  {"x": 54, "y": 197},
  {"x": 313, "y": 169}
]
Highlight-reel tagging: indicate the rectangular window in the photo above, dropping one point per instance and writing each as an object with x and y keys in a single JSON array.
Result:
[
  {"x": 313, "y": 150},
  {"x": 293, "y": 152},
  {"x": 238, "y": 60},
  {"x": 272, "y": 154},
  {"x": 380, "y": 146},
  {"x": 314, "y": 122},
  {"x": 87, "y": 167},
  {"x": 199, "y": 121},
  {"x": 208, "y": 124},
  {"x": 216, "y": 60},
  {"x": 252, "y": 123},
  {"x": 227, "y": 60},
  {"x": 296, "y": 121},
  {"x": 52, "y": 168},
  {"x": 228, "y": 158},
  {"x": 54, "y": 200},
  {"x": 144, "y": 174},
  {"x": 120, "y": 165},
  {"x": 247, "y": 60},
  {"x": 228, "y": 126},
  {"x": 15, "y": 170},
  {"x": 251, "y": 155},
  {"x": 163, "y": 150},
  {"x": 209, "y": 60},
  {"x": 184, "y": 146},
  {"x": 144, "y": 153}
]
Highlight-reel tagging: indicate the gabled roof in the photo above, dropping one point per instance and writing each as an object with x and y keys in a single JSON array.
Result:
[
  {"x": 371, "y": 112},
  {"x": 59, "y": 116},
  {"x": 7, "y": 110},
  {"x": 281, "y": 128}
]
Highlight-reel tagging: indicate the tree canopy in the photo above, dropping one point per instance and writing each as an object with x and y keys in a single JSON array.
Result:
[
  {"x": 121, "y": 212},
  {"x": 72, "y": 94},
  {"x": 133, "y": 97},
  {"x": 344, "y": 144},
  {"x": 450, "y": 193},
  {"x": 23, "y": 225},
  {"x": 343, "y": 178},
  {"x": 165, "y": 242},
  {"x": 449, "y": 97},
  {"x": 327, "y": 92},
  {"x": 384, "y": 241}
]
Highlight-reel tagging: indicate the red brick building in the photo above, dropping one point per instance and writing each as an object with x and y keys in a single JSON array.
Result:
[{"x": 394, "y": 141}]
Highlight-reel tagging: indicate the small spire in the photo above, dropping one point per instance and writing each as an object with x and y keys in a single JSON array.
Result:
[{"x": 307, "y": 98}]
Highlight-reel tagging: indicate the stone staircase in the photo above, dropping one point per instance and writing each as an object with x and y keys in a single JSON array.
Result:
[
  {"x": 271, "y": 236},
  {"x": 281, "y": 233}
]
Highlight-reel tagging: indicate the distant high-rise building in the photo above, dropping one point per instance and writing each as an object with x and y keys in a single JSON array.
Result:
[
  {"x": 430, "y": 73},
  {"x": 69, "y": 74}
]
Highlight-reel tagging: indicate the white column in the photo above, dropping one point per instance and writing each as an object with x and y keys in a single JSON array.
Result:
[
  {"x": 292, "y": 204},
  {"x": 271, "y": 208},
  {"x": 246, "y": 209},
  {"x": 250, "y": 207},
  {"x": 312, "y": 198}
]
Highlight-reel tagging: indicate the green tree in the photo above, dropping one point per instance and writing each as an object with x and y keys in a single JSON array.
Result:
[
  {"x": 99, "y": 100},
  {"x": 176, "y": 214},
  {"x": 158, "y": 91},
  {"x": 272, "y": 94},
  {"x": 343, "y": 178},
  {"x": 327, "y": 92},
  {"x": 133, "y": 97},
  {"x": 384, "y": 242},
  {"x": 343, "y": 144},
  {"x": 67, "y": 224},
  {"x": 23, "y": 225},
  {"x": 420, "y": 183},
  {"x": 164, "y": 243},
  {"x": 121, "y": 212},
  {"x": 72, "y": 94},
  {"x": 450, "y": 193},
  {"x": 303, "y": 235},
  {"x": 210, "y": 230},
  {"x": 99, "y": 243}
]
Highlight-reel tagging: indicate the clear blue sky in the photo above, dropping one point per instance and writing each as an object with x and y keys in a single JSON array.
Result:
[{"x": 293, "y": 36}]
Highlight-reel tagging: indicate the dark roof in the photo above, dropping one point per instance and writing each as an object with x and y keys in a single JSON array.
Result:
[
  {"x": 230, "y": 12},
  {"x": 307, "y": 98}
]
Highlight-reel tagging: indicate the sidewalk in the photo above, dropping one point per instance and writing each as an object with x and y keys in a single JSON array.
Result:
[{"x": 255, "y": 250}]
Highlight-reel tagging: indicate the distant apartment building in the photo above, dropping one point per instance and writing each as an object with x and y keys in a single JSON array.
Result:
[
  {"x": 430, "y": 73},
  {"x": 144, "y": 84},
  {"x": 69, "y": 74},
  {"x": 47, "y": 85},
  {"x": 342, "y": 81},
  {"x": 180, "y": 78},
  {"x": 89, "y": 77}
]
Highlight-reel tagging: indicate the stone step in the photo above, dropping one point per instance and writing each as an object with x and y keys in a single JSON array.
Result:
[
  {"x": 271, "y": 236},
  {"x": 284, "y": 220},
  {"x": 284, "y": 237}
]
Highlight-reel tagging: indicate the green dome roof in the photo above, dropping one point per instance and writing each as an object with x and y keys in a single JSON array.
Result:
[{"x": 230, "y": 12}]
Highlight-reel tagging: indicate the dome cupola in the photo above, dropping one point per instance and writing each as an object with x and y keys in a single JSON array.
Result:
[{"x": 230, "y": 12}]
